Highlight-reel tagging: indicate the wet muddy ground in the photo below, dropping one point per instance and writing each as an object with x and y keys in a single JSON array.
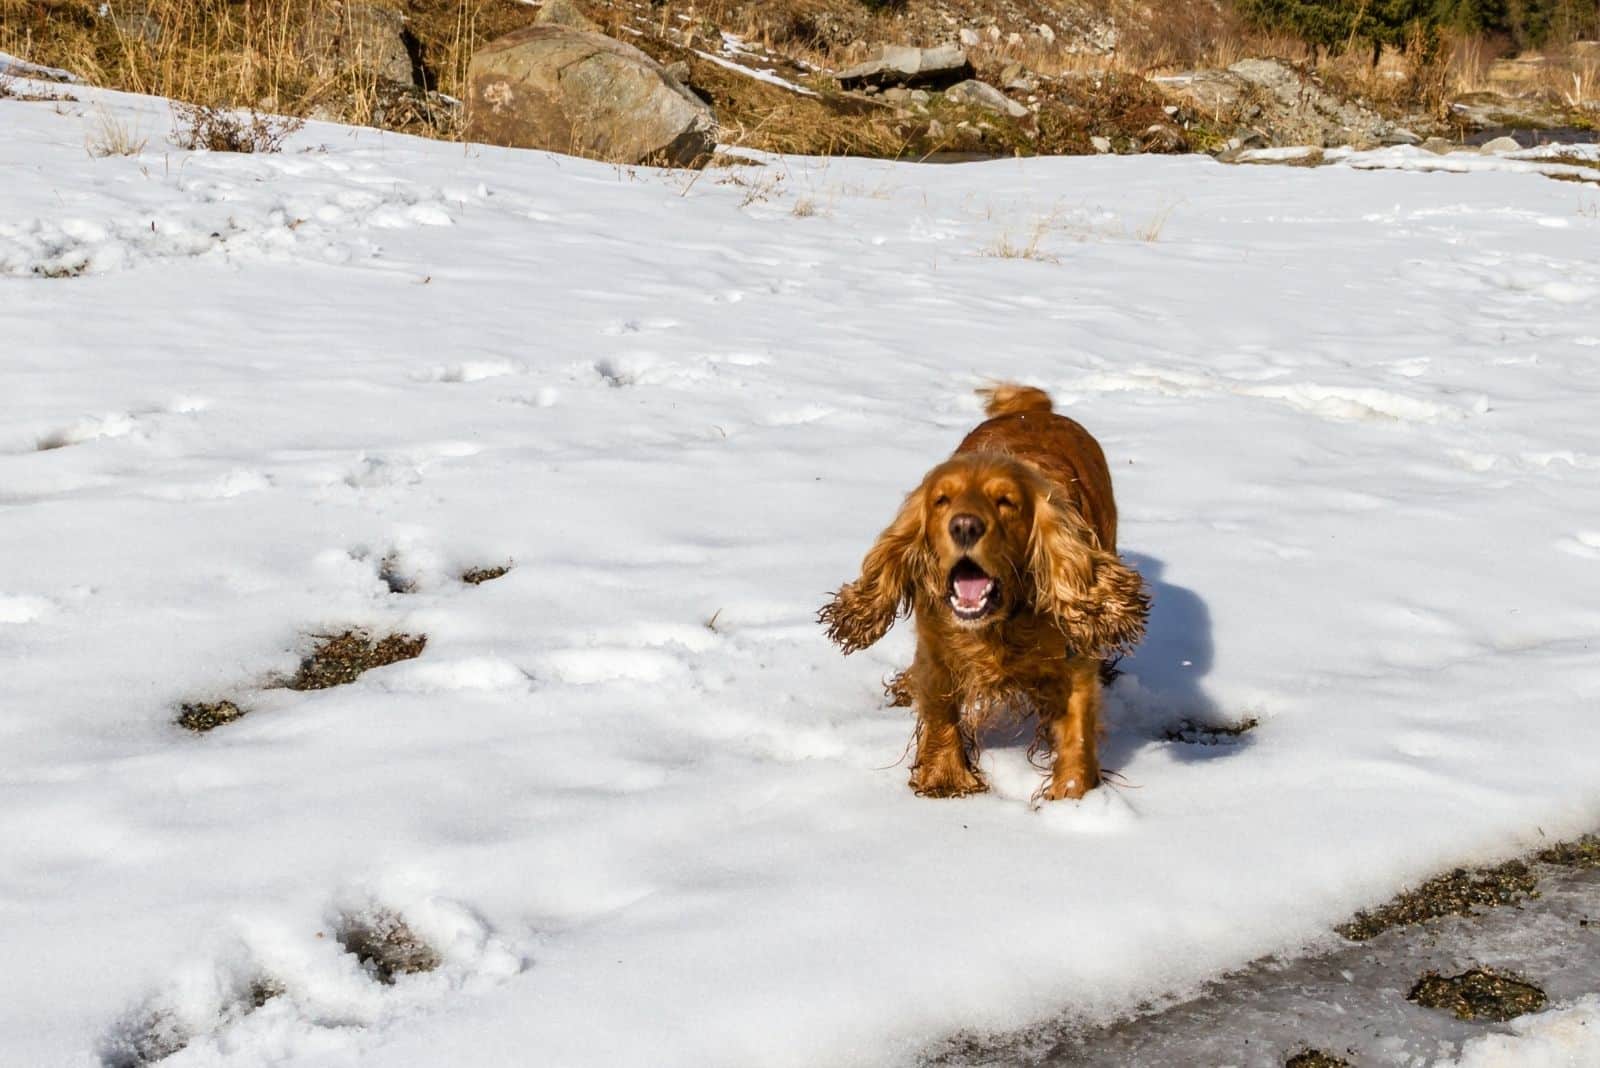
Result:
[{"x": 1408, "y": 993}]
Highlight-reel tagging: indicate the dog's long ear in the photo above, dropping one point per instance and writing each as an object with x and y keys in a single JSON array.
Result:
[
  {"x": 864, "y": 610},
  {"x": 1099, "y": 602}
]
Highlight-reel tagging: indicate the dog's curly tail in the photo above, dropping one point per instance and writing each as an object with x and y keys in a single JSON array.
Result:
[{"x": 1009, "y": 398}]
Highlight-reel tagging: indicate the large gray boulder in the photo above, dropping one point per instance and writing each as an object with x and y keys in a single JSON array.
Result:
[
  {"x": 579, "y": 92},
  {"x": 1285, "y": 105},
  {"x": 928, "y": 68}
]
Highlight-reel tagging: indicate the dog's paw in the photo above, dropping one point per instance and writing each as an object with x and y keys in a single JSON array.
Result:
[
  {"x": 946, "y": 781},
  {"x": 1070, "y": 786}
]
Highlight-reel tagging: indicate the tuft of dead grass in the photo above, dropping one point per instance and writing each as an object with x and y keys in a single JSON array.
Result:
[
  {"x": 113, "y": 136},
  {"x": 214, "y": 129}
]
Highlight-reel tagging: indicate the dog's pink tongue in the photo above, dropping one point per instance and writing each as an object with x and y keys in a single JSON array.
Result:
[{"x": 970, "y": 591}]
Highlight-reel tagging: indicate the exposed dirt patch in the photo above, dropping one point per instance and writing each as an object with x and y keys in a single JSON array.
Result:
[
  {"x": 392, "y": 574},
  {"x": 1456, "y": 893},
  {"x": 342, "y": 658},
  {"x": 386, "y": 946},
  {"x": 202, "y": 716},
  {"x": 264, "y": 990},
  {"x": 1478, "y": 994},
  {"x": 477, "y": 576}
]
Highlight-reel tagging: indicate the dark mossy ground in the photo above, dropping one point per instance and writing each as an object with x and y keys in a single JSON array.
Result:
[
  {"x": 1582, "y": 853},
  {"x": 1191, "y": 732},
  {"x": 340, "y": 659},
  {"x": 1478, "y": 994},
  {"x": 337, "y": 660},
  {"x": 1315, "y": 1058},
  {"x": 1456, "y": 893},
  {"x": 202, "y": 716}
]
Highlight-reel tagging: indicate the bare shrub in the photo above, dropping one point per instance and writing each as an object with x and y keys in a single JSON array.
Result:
[{"x": 207, "y": 128}]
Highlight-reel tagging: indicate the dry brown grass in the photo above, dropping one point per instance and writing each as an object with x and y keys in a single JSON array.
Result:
[
  {"x": 252, "y": 54},
  {"x": 111, "y": 135},
  {"x": 215, "y": 129}
]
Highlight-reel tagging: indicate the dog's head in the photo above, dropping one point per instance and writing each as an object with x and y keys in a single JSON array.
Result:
[{"x": 982, "y": 539}]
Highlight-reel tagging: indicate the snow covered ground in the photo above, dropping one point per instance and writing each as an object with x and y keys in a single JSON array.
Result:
[{"x": 641, "y": 809}]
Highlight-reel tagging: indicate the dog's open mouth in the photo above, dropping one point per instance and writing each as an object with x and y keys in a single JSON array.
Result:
[{"x": 972, "y": 591}]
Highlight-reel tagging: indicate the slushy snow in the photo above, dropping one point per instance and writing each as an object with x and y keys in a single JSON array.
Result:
[{"x": 641, "y": 809}]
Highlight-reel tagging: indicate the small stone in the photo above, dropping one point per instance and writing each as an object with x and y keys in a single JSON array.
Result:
[
  {"x": 1047, "y": 32},
  {"x": 1101, "y": 144},
  {"x": 1500, "y": 146},
  {"x": 1439, "y": 146},
  {"x": 565, "y": 13},
  {"x": 978, "y": 94},
  {"x": 968, "y": 37}
]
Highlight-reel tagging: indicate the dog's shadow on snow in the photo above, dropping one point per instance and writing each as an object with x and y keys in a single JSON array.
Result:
[{"x": 1159, "y": 697}]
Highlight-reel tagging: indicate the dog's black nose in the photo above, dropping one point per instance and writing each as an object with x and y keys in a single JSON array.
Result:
[{"x": 966, "y": 529}]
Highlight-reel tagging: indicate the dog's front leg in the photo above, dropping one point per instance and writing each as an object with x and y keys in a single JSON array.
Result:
[
  {"x": 1074, "y": 731},
  {"x": 942, "y": 768}
]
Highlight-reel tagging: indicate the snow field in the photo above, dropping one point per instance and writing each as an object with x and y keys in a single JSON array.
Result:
[{"x": 640, "y": 808}]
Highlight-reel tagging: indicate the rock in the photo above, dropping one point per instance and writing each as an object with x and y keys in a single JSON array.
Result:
[
  {"x": 1439, "y": 146},
  {"x": 679, "y": 71},
  {"x": 969, "y": 38},
  {"x": 1016, "y": 76},
  {"x": 1500, "y": 146},
  {"x": 359, "y": 36},
  {"x": 934, "y": 68},
  {"x": 985, "y": 96},
  {"x": 1047, "y": 32},
  {"x": 566, "y": 90},
  {"x": 565, "y": 13},
  {"x": 1163, "y": 137},
  {"x": 1400, "y": 136},
  {"x": 1101, "y": 144},
  {"x": 134, "y": 24},
  {"x": 1291, "y": 108}
]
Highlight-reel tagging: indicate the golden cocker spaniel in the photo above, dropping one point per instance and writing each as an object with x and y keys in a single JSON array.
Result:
[{"x": 1006, "y": 556}]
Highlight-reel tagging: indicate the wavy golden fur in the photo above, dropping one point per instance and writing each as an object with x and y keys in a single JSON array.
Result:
[{"x": 1005, "y": 554}]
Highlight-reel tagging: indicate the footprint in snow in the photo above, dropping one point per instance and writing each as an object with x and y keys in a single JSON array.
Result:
[
  {"x": 472, "y": 371},
  {"x": 1585, "y": 543},
  {"x": 310, "y": 991}
]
